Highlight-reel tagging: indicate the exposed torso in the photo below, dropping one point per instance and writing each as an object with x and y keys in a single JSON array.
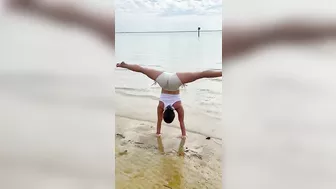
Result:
[{"x": 170, "y": 92}]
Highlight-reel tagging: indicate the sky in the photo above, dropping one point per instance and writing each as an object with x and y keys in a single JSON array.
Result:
[{"x": 167, "y": 15}]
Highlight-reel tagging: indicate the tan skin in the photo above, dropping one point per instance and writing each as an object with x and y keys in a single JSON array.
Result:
[
  {"x": 180, "y": 111},
  {"x": 185, "y": 77}
]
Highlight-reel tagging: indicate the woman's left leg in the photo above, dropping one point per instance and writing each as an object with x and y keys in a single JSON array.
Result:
[{"x": 188, "y": 77}]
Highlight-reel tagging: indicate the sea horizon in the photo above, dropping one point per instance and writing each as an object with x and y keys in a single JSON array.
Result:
[{"x": 168, "y": 31}]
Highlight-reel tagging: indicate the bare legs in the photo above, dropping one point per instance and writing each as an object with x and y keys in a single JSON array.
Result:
[
  {"x": 185, "y": 77},
  {"x": 188, "y": 77},
  {"x": 151, "y": 73}
]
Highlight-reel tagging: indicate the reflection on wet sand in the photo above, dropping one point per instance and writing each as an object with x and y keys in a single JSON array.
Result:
[
  {"x": 160, "y": 145},
  {"x": 165, "y": 162},
  {"x": 181, "y": 147},
  {"x": 172, "y": 166},
  {"x": 180, "y": 150}
]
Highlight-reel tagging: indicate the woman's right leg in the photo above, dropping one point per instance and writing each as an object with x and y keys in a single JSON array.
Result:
[
  {"x": 151, "y": 73},
  {"x": 188, "y": 77}
]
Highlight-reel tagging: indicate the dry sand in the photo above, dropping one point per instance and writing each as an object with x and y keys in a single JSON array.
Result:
[{"x": 145, "y": 161}]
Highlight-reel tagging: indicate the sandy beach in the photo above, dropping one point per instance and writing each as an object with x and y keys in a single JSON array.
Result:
[
  {"x": 142, "y": 159},
  {"x": 145, "y": 161}
]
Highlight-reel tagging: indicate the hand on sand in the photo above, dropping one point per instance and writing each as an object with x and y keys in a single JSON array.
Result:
[{"x": 121, "y": 64}]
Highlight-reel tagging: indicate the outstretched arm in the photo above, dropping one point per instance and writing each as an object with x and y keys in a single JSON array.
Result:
[
  {"x": 159, "y": 118},
  {"x": 237, "y": 41},
  {"x": 103, "y": 25},
  {"x": 180, "y": 112}
]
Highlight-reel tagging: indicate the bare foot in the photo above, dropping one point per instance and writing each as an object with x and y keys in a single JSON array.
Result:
[
  {"x": 158, "y": 134},
  {"x": 121, "y": 65}
]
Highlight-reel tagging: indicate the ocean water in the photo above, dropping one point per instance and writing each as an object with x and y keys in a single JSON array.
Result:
[{"x": 175, "y": 52}]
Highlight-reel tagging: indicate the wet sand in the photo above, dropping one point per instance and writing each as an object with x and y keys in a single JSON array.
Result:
[{"x": 146, "y": 161}]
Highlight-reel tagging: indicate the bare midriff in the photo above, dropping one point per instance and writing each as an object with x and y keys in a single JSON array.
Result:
[{"x": 170, "y": 92}]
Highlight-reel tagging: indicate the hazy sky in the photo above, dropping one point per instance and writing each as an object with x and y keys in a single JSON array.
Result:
[{"x": 163, "y": 15}]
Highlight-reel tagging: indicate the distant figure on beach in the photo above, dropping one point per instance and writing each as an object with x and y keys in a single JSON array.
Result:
[
  {"x": 170, "y": 83},
  {"x": 198, "y": 32}
]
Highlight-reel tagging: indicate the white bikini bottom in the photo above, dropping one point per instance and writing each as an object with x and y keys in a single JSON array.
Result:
[{"x": 169, "y": 99}]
